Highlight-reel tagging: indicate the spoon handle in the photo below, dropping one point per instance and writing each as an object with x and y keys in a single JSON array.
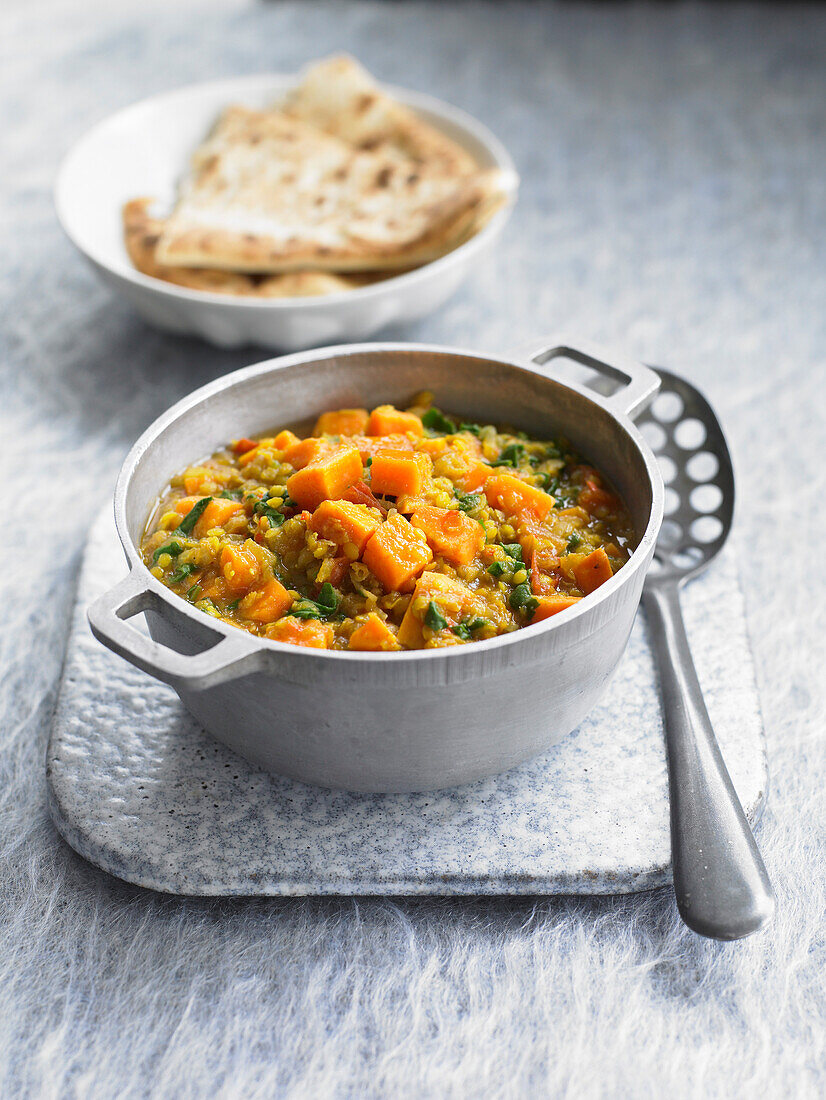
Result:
[{"x": 722, "y": 887}]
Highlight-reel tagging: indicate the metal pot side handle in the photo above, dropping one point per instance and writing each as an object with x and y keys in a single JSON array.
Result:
[
  {"x": 228, "y": 659},
  {"x": 641, "y": 386}
]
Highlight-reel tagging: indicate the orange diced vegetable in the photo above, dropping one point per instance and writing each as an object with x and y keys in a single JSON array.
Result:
[
  {"x": 396, "y": 553},
  {"x": 433, "y": 447},
  {"x": 387, "y": 420},
  {"x": 249, "y": 456},
  {"x": 408, "y": 505},
  {"x": 593, "y": 571},
  {"x": 186, "y": 504},
  {"x": 373, "y": 634},
  {"x": 194, "y": 479},
  {"x": 450, "y": 533},
  {"x": 266, "y": 604},
  {"x": 596, "y": 500},
  {"x": 396, "y": 472},
  {"x": 216, "y": 514},
  {"x": 347, "y": 525},
  {"x": 369, "y": 446},
  {"x": 327, "y": 477},
  {"x": 452, "y": 597},
  {"x": 240, "y": 567},
  {"x": 474, "y": 478},
  {"x": 215, "y": 589},
  {"x": 241, "y": 446},
  {"x": 304, "y": 451},
  {"x": 342, "y": 422},
  {"x": 516, "y": 497},
  {"x": 361, "y": 493},
  {"x": 284, "y": 440},
  {"x": 306, "y": 632},
  {"x": 552, "y": 605}
]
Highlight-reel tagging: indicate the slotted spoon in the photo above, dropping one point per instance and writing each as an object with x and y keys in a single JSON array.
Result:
[{"x": 720, "y": 880}]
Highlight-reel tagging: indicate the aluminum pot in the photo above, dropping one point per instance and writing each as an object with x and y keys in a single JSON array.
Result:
[{"x": 407, "y": 721}]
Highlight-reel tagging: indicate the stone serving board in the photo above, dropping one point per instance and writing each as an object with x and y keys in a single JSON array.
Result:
[{"x": 138, "y": 788}]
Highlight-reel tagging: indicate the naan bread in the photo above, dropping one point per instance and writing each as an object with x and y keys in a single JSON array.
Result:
[
  {"x": 142, "y": 232},
  {"x": 340, "y": 97},
  {"x": 341, "y": 179}
]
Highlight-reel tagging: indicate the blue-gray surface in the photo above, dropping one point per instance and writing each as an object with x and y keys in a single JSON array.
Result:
[{"x": 674, "y": 169}]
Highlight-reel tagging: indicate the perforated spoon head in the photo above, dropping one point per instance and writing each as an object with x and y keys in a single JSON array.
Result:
[{"x": 685, "y": 435}]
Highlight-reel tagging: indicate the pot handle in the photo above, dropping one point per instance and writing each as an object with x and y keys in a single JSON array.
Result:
[
  {"x": 229, "y": 658},
  {"x": 642, "y": 383}
]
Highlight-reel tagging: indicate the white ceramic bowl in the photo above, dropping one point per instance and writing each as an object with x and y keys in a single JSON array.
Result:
[{"x": 143, "y": 150}]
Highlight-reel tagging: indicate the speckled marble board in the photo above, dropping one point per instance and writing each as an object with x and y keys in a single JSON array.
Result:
[{"x": 140, "y": 790}]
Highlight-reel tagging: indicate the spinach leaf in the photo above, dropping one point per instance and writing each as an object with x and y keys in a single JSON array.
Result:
[
  {"x": 273, "y": 515},
  {"x": 232, "y": 494},
  {"x": 433, "y": 618},
  {"x": 232, "y": 606},
  {"x": 438, "y": 422},
  {"x": 514, "y": 551},
  {"x": 496, "y": 569},
  {"x": 194, "y": 592},
  {"x": 172, "y": 548},
  {"x": 474, "y": 429},
  {"x": 573, "y": 542},
  {"x": 465, "y": 629},
  {"x": 320, "y": 608},
  {"x": 467, "y": 501},
  {"x": 192, "y": 516},
  {"x": 521, "y": 599},
  {"x": 512, "y": 455},
  {"x": 182, "y": 572}
]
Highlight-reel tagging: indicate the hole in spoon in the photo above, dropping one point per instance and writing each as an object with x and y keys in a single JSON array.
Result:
[
  {"x": 670, "y": 534},
  {"x": 690, "y": 434},
  {"x": 702, "y": 466},
  {"x": 667, "y": 407},
  {"x": 687, "y": 558},
  {"x": 706, "y": 498},
  {"x": 668, "y": 468},
  {"x": 653, "y": 434},
  {"x": 706, "y": 528},
  {"x": 672, "y": 502}
]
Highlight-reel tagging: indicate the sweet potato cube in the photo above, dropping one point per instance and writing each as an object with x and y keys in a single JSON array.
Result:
[
  {"x": 347, "y": 525},
  {"x": 453, "y": 599},
  {"x": 394, "y": 473},
  {"x": 516, "y": 497},
  {"x": 474, "y": 478},
  {"x": 241, "y": 446},
  {"x": 306, "y": 632},
  {"x": 396, "y": 554},
  {"x": 284, "y": 440},
  {"x": 266, "y": 604},
  {"x": 450, "y": 533},
  {"x": 327, "y": 477},
  {"x": 552, "y": 605},
  {"x": 342, "y": 422},
  {"x": 370, "y": 445},
  {"x": 373, "y": 634},
  {"x": 593, "y": 571},
  {"x": 387, "y": 420},
  {"x": 240, "y": 568},
  {"x": 304, "y": 451},
  {"x": 216, "y": 514}
]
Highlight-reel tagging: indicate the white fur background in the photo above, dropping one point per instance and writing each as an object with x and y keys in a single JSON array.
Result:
[{"x": 674, "y": 169}]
